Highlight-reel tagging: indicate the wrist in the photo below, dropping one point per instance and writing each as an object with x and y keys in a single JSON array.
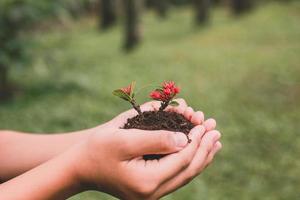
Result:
[
  {"x": 69, "y": 181},
  {"x": 77, "y": 167},
  {"x": 85, "y": 171}
]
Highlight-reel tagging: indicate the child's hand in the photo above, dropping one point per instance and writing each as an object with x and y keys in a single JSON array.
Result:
[{"x": 111, "y": 159}]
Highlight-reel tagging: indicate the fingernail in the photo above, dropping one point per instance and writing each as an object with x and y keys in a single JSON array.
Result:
[
  {"x": 180, "y": 140},
  {"x": 217, "y": 135}
]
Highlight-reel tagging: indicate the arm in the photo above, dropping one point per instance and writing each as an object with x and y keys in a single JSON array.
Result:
[
  {"x": 20, "y": 152},
  {"x": 54, "y": 179}
]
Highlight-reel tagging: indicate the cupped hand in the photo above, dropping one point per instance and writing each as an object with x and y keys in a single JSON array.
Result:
[{"x": 111, "y": 159}]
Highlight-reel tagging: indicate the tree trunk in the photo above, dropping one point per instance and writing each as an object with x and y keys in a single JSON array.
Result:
[
  {"x": 133, "y": 9},
  {"x": 161, "y": 7},
  {"x": 107, "y": 13},
  {"x": 3, "y": 81},
  {"x": 241, "y": 6},
  {"x": 217, "y": 2},
  {"x": 202, "y": 11}
]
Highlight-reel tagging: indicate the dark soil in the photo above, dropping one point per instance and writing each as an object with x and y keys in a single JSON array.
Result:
[{"x": 160, "y": 120}]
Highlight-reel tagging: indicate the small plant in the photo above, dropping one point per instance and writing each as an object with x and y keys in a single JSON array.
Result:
[
  {"x": 127, "y": 93},
  {"x": 164, "y": 93},
  {"x": 156, "y": 120}
]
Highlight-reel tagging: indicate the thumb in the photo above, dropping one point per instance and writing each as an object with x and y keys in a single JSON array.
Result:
[{"x": 141, "y": 142}]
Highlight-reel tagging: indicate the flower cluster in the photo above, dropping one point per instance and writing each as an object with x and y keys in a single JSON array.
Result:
[{"x": 164, "y": 93}]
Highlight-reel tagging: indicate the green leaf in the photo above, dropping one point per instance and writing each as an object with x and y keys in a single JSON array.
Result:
[
  {"x": 174, "y": 103},
  {"x": 122, "y": 95}
]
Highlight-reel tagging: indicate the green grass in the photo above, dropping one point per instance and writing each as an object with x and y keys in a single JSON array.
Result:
[{"x": 243, "y": 72}]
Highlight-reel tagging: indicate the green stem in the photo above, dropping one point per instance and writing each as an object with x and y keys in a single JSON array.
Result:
[
  {"x": 163, "y": 105},
  {"x": 136, "y": 107}
]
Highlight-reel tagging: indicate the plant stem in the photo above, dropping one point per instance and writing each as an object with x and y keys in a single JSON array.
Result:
[
  {"x": 163, "y": 105},
  {"x": 136, "y": 107}
]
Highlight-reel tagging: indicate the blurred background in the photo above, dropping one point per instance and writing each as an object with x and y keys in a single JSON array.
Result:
[{"x": 236, "y": 60}]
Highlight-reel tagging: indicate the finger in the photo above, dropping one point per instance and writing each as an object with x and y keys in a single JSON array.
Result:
[
  {"x": 210, "y": 124},
  {"x": 137, "y": 143},
  {"x": 180, "y": 108},
  {"x": 217, "y": 147},
  {"x": 193, "y": 169},
  {"x": 188, "y": 113},
  {"x": 148, "y": 106},
  {"x": 206, "y": 145},
  {"x": 197, "y": 118},
  {"x": 171, "y": 165},
  {"x": 155, "y": 105}
]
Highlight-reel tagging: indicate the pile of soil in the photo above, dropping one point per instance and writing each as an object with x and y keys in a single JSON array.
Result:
[{"x": 160, "y": 120}]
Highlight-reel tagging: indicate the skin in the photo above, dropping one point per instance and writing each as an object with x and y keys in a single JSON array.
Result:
[
  {"x": 20, "y": 152},
  {"x": 107, "y": 159}
]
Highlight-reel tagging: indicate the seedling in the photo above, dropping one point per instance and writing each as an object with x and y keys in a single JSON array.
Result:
[
  {"x": 156, "y": 120},
  {"x": 127, "y": 93},
  {"x": 166, "y": 94}
]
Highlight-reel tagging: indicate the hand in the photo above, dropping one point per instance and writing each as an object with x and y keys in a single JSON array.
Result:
[{"x": 111, "y": 159}]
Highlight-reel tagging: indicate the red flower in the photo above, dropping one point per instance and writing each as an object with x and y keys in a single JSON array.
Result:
[
  {"x": 167, "y": 91},
  {"x": 127, "y": 89},
  {"x": 169, "y": 84},
  {"x": 155, "y": 95},
  {"x": 170, "y": 89},
  {"x": 176, "y": 90}
]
